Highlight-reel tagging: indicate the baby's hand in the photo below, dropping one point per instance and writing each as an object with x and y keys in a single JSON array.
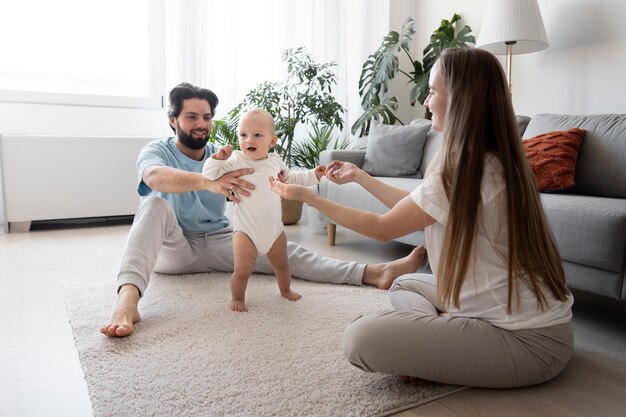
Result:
[
  {"x": 320, "y": 171},
  {"x": 223, "y": 153}
]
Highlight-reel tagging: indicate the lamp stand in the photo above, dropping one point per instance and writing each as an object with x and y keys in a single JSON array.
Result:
[{"x": 509, "y": 63}]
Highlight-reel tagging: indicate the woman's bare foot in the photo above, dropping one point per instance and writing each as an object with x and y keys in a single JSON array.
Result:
[
  {"x": 125, "y": 314},
  {"x": 291, "y": 295},
  {"x": 382, "y": 275},
  {"x": 238, "y": 305}
]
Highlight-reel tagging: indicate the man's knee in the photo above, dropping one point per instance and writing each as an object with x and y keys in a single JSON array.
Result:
[
  {"x": 155, "y": 206},
  {"x": 153, "y": 203},
  {"x": 155, "y": 213}
]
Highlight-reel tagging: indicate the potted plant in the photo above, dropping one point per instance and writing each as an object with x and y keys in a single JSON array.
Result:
[
  {"x": 303, "y": 98},
  {"x": 382, "y": 66}
]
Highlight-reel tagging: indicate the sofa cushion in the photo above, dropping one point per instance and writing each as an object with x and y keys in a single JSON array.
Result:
[
  {"x": 522, "y": 123},
  {"x": 588, "y": 230},
  {"x": 434, "y": 141},
  {"x": 552, "y": 157},
  {"x": 601, "y": 163},
  {"x": 395, "y": 151}
]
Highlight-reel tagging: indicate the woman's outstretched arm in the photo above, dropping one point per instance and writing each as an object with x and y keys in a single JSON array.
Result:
[
  {"x": 403, "y": 218},
  {"x": 341, "y": 172}
]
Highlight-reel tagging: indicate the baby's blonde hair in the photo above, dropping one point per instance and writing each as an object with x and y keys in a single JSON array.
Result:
[{"x": 262, "y": 112}]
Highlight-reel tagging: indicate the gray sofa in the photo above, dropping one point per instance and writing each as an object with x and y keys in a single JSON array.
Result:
[{"x": 588, "y": 220}]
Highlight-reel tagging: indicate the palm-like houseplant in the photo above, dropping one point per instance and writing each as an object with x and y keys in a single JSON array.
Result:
[{"x": 383, "y": 65}]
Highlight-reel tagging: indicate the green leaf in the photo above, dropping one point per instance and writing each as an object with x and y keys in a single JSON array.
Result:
[
  {"x": 224, "y": 131},
  {"x": 442, "y": 38},
  {"x": 382, "y": 66},
  {"x": 384, "y": 112},
  {"x": 306, "y": 154},
  {"x": 378, "y": 70}
]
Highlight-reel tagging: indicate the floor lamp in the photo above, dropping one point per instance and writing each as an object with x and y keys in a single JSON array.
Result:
[{"x": 512, "y": 27}]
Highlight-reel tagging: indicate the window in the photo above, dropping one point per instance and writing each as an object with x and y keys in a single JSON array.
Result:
[
  {"x": 130, "y": 53},
  {"x": 82, "y": 52}
]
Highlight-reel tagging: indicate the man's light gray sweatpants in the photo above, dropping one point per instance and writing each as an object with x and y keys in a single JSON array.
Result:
[
  {"x": 157, "y": 243},
  {"x": 414, "y": 340}
]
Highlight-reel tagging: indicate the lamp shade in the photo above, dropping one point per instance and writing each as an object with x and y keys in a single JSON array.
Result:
[{"x": 517, "y": 21}]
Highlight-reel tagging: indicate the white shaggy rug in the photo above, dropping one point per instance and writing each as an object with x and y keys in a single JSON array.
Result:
[{"x": 191, "y": 356}]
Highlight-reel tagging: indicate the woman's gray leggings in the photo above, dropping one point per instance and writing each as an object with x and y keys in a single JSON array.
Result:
[{"x": 414, "y": 340}]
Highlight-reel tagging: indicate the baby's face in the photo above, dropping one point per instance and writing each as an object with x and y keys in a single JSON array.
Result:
[{"x": 256, "y": 136}]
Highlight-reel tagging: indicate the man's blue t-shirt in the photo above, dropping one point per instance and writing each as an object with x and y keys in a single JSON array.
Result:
[{"x": 196, "y": 211}]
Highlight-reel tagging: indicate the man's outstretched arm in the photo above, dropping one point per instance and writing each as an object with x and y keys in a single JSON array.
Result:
[{"x": 171, "y": 180}]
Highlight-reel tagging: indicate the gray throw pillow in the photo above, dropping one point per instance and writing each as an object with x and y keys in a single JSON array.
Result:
[
  {"x": 395, "y": 150},
  {"x": 522, "y": 123}
]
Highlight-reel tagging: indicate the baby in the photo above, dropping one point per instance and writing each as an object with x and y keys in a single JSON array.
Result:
[{"x": 257, "y": 224}]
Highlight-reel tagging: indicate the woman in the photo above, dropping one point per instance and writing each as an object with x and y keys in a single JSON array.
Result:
[{"x": 496, "y": 312}]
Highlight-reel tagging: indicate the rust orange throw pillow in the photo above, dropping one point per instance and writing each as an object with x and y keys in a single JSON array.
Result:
[{"x": 553, "y": 158}]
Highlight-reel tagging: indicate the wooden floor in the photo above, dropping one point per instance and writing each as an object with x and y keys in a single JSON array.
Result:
[{"x": 40, "y": 374}]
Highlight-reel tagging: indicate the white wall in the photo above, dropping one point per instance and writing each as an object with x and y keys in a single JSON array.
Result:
[
  {"x": 36, "y": 119},
  {"x": 580, "y": 73}
]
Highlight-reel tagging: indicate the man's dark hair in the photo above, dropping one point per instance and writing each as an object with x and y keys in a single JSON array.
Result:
[{"x": 185, "y": 91}]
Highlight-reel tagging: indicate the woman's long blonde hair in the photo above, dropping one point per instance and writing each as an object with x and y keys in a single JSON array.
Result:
[{"x": 480, "y": 121}]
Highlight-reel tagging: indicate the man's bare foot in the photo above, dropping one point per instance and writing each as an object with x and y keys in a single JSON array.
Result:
[
  {"x": 125, "y": 314},
  {"x": 382, "y": 275},
  {"x": 291, "y": 295},
  {"x": 238, "y": 305}
]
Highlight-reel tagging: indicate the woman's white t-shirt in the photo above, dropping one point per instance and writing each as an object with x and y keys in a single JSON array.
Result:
[{"x": 484, "y": 292}]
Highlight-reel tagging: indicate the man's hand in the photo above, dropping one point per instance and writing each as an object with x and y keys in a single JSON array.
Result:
[
  {"x": 173, "y": 180},
  {"x": 341, "y": 172},
  {"x": 231, "y": 185},
  {"x": 223, "y": 153}
]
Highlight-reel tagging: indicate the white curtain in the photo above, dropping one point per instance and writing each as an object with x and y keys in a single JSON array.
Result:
[{"x": 232, "y": 46}]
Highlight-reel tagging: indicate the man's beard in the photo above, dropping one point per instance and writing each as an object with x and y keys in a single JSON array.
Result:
[{"x": 189, "y": 141}]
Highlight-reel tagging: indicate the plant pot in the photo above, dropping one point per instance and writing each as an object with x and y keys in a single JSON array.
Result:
[
  {"x": 292, "y": 211},
  {"x": 318, "y": 226}
]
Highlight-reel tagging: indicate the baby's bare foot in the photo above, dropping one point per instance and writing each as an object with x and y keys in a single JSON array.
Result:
[
  {"x": 291, "y": 295},
  {"x": 125, "y": 313},
  {"x": 238, "y": 305},
  {"x": 383, "y": 275}
]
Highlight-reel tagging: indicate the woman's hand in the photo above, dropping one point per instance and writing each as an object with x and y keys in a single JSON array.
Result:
[
  {"x": 341, "y": 172},
  {"x": 290, "y": 191}
]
